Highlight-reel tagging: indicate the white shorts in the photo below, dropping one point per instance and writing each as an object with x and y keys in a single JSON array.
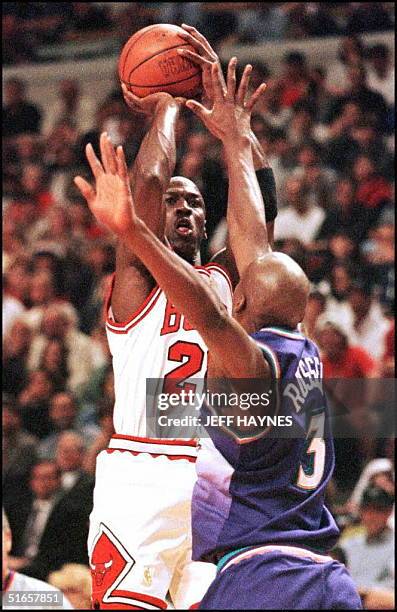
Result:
[{"x": 140, "y": 539}]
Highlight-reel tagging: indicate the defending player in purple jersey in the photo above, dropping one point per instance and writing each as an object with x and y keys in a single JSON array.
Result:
[{"x": 273, "y": 487}]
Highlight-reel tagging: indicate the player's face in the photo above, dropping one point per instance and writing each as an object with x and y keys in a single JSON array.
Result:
[{"x": 184, "y": 218}]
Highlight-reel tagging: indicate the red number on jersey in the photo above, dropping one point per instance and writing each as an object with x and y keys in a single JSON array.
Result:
[{"x": 178, "y": 352}]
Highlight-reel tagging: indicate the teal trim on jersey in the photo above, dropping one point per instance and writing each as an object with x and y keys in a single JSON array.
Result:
[
  {"x": 223, "y": 560},
  {"x": 295, "y": 333}
]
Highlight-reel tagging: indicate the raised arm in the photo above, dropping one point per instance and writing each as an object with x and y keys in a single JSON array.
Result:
[
  {"x": 205, "y": 57},
  {"x": 152, "y": 170},
  {"x": 187, "y": 289},
  {"x": 229, "y": 120}
]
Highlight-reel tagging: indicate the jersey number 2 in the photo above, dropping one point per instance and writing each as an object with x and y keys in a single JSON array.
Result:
[
  {"x": 191, "y": 357},
  {"x": 310, "y": 477}
]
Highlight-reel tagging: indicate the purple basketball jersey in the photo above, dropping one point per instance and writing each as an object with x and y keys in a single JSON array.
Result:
[{"x": 270, "y": 489}]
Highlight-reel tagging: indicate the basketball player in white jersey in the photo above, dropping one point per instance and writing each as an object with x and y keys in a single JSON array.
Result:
[{"x": 140, "y": 535}]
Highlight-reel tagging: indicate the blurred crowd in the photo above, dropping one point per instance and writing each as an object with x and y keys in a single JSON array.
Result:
[
  {"x": 328, "y": 137},
  {"x": 37, "y": 24}
]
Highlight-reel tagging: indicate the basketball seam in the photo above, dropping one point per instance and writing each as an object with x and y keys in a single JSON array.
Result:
[
  {"x": 154, "y": 55},
  {"x": 134, "y": 43},
  {"x": 163, "y": 84}
]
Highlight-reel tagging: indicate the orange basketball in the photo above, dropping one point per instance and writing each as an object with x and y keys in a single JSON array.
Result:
[{"x": 149, "y": 63}]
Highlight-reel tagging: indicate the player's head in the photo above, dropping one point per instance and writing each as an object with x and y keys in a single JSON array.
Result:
[
  {"x": 184, "y": 218},
  {"x": 273, "y": 290}
]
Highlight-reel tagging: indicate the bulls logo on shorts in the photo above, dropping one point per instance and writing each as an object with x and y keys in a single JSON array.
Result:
[{"x": 110, "y": 563}]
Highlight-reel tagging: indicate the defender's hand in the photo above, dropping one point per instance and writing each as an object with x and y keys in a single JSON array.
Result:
[
  {"x": 148, "y": 105},
  {"x": 111, "y": 201},
  {"x": 230, "y": 116},
  {"x": 205, "y": 58}
]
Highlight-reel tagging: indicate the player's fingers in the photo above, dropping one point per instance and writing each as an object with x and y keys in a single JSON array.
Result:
[
  {"x": 244, "y": 84},
  {"x": 198, "y": 109},
  {"x": 122, "y": 169},
  {"x": 199, "y": 39},
  {"x": 217, "y": 83},
  {"x": 95, "y": 164},
  {"x": 85, "y": 188},
  {"x": 231, "y": 79},
  {"x": 131, "y": 100},
  {"x": 104, "y": 152},
  {"x": 255, "y": 97},
  {"x": 108, "y": 155},
  {"x": 194, "y": 57}
]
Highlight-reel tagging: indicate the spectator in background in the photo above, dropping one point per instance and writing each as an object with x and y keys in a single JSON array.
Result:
[
  {"x": 368, "y": 17},
  {"x": 84, "y": 355},
  {"x": 294, "y": 80},
  {"x": 369, "y": 325},
  {"x": 74, "y": 580},
  {"x": 19, "y": 454},
  {"x": 300, "y": 218},
  {"x": 53, "y": 528},
  {"x": 88, "y": 17},
  {"x": 373, "y": 191},
  {"x": 346, "y": 215},
  {"x": 350, "y": 53},
  {"x": 370, "y": 555},
  {"x": 14, "y": 582},
  {"x": 69, "y": 457},
  {"x": 70, "y": 105},
  {"x": 371, "y": 103},
  {"x": 33, "y": 401},
  {"x": 19, "y": 115},
  {"x": 319, "y": 180},
  {"x": 381, "y": 72},
  {"x": 63, "y": 414},
  {"x": 341, "y": 359},
  {"x": 54, "y": 362},
  {"x": 15, "y": 355}
]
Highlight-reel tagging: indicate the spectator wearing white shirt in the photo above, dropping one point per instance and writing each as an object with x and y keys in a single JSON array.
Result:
[
  {"x": 299, "y": 219},
  {"x": 370, "y": 555},
  {"x": 369, "y": 325}
]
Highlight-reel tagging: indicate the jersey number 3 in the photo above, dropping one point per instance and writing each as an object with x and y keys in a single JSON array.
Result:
[
  {"x": 191, "y": 356},
  {"x": 311, "y": 468}
]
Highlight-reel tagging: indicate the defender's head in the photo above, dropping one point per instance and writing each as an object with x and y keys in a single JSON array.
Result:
[
  {"x": 184, "y": 218},
  {"x": 273, "y": 290}
]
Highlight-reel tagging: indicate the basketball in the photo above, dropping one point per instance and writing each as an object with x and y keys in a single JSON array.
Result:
[{"x": 149, "y": 63}]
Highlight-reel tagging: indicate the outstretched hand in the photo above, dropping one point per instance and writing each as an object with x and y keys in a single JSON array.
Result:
[
  {"x": 111, "y": 200},
  {"x": 230, "y": 115},
  {"x": 205, "y": 58}
]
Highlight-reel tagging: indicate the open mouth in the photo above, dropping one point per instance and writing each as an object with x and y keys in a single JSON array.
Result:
[{"x": 184, "y": 227}]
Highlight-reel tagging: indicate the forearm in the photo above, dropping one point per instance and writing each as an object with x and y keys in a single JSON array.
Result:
[
  {"x": 154, "y": 165},
  {"x": 245, "y": 213}
]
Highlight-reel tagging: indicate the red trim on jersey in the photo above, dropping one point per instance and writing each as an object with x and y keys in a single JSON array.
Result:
[
  {"x": 154, "y": 601},
  {"x": 176, "y": 442},
  {"x": 215, "y": 266},
  {"x": 154, "y": 455},
  {"x": 123, "y": 328},
  {"x": 202, "y": 269}
]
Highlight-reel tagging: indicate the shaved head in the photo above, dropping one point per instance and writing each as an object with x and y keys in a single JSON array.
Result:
[{"x": 273, "y": 290}]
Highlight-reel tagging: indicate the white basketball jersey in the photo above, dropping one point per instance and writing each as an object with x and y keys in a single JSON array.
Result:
[{"x": 156, "y": 343}]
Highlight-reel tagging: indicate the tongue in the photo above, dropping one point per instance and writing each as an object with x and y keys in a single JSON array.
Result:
[{"x": 183, "y": 229}]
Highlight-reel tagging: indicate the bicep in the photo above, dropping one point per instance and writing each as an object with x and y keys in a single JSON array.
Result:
[{"x": 132, "y": 285}]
